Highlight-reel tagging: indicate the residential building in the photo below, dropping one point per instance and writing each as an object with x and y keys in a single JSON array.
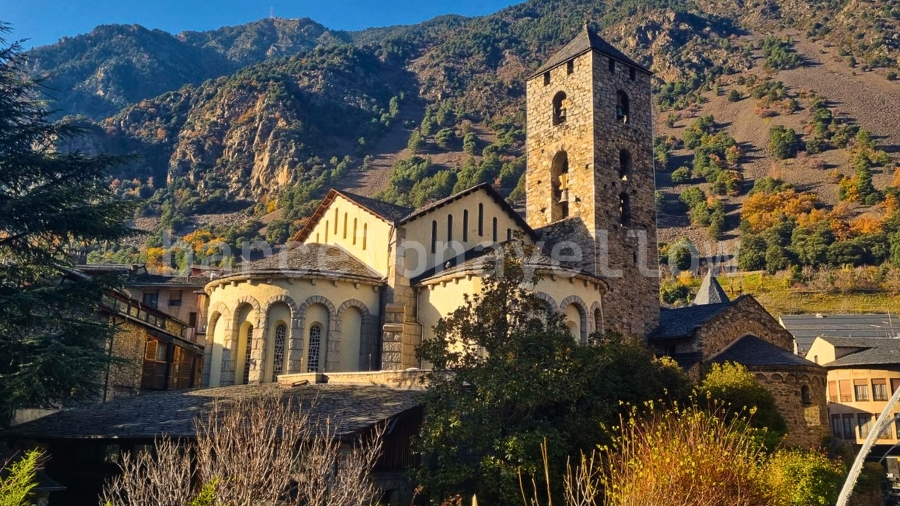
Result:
[{"x": 807, "y": 327}]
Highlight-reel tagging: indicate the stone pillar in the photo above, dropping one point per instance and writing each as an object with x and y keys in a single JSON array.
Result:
[
  {"x": 392, "y": 347},
  {"x": 257, "y": 364},
  {"x": 295, "y": 347},
  {"x": 226, "y": 377}
]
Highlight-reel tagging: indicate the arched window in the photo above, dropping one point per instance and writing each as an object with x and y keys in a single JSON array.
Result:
[
  {"x": 315, "y": 340},
  {"x": 624, "y": 164},
  {"x": 345, "y": 225},
  {"x": 449, "y": 227},
  {"x": 559, "y": 180},
  {"x": 625, "y": 209},
  {"x": 246, "y": 378},
  {"x": 623, "y": 106},
  {"x": 278, "y": 366},
  {"x": 598, "y": 320},
  {"x": 559, "y": 108},
  {"x": 434, "y": 236},
  {"x": 354, "y": 231},
  {"x": 805, "y": 398},
  {"x": 480, "y": 220},
  {"x": 365, "y": 234},
  {"x": 465, "y": 234}
]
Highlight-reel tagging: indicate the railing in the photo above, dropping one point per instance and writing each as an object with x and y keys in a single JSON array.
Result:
[
  {"x": 134, "y": 311},
  {"x": 189, "y": 334}
]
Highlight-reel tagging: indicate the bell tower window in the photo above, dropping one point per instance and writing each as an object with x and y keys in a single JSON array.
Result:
[
  {"x": 559, "y": 108},
  {"x": 624, "y": 165},
  {"x": 546, "y": 78},
  {"x": 559, "y": 205},
  {"x": 570, "y": 66},
  {"x": 624, "y": 209},
  {"x": 623, "y": 107}
]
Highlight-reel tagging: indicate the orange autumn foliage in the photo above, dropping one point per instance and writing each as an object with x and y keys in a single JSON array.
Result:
[{"x": 762, "y": 210}]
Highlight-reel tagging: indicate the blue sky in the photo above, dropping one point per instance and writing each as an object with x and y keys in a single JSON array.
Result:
[{"x": 45, "y": 21}]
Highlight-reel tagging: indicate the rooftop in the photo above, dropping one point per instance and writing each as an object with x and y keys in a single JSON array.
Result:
[
  {"x": 753, "y": 351},
  {"x": 807, "y": 327},
  {"x": 682, "y": 322},
  {"x": 710, "y": 291},
  {"x": 587, "y": 40},
  {"x": 146, "y": 416},
  {"x": 313, "y": 258},
  {"x": 860, "y": 351}
]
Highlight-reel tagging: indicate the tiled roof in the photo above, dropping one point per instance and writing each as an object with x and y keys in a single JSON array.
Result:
[
  {"x": 149, "y": 415},
  {"x": 388, "y": 211},
  {"x": 710, "y": 291},
  {"x": 587, "y": 40},
  {"x": 807, "y": 327},
  {"x": 681, "y": 322},
  {"x": 867, "y": 351},
  {"x": 313, "y": 258},
  {"x": 753, "y": 351}
]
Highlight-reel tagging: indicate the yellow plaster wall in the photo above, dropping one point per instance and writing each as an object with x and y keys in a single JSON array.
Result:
[
  {"x": 855, "y": 407},
  {"x": 439, "y": 300},
  {"x": 378, "y": 233},
  {"x": 419, "y": 230},
  {"x": 821, "y": 352}
]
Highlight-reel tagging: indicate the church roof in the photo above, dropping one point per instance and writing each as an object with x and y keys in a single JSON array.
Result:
[
  {"x": 682, "y": 322},
  {"x": 710, "y": 292},
  {"x": 313, "y": 258},
  {"x": 390, "y": 212},
  {"x": 753, "y": 351},
  {"x": 587, "y": 40}
]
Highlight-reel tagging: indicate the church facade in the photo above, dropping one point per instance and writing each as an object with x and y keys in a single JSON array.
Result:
[{"x": 366, "y": 280}]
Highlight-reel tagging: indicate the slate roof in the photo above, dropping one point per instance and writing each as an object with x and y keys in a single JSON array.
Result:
[
  {"x": 710, "y": 291},
  {"x": 868, "y": 351},
  {"x": 682, "y": 322},
  {"x": 587, "y": 40},
  {"x": 313, "y": 258},
  {"x": 388, "y": 211},
  {"x": 753, "y": 351},
  {"x": 807, "y": 327},
  {"x": 354, "y": 407}
]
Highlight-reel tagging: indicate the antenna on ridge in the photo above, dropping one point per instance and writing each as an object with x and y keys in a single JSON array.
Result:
[{"x": 272, "y": 12}]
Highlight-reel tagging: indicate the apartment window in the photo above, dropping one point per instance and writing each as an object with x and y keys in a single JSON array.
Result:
[
  {"x": 865, "y": 424},
  {"x": 151, "y": 298},
  {"x": 832, "y": 391},
  {"x": 849, "y": 432},
  {"x": 879, "y": 390},
  {"x": 846, "y": 395},
  {"x": 175, "y": 297},
  {"x": 192, "y": 319},
  {"x": 861, "y": 389},
  {"x": 895, "y": 384},
  {"x": 885, "y": 432},
  {"x": 836, "y": 426}
]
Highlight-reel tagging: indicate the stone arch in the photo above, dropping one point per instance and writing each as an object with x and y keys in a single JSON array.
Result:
[
  {"x": 297, "y": 345},
  {"x": 214, "y": 351},
  {"x": 559, "y": 108},
  {"x": 229, "y": 355},
  {"x": 268, "y": 337},
  {"x": 596, "y": 317},
  {"x": 777, "y": 377},
  {"x": 559, "y": 196},
  {"x": 761, "y": 378},
  {"x": 790, "y": 378},
  {"x": 552, "y": 305},
  {"x": 579, "y": 304},
  {"x": 367, "y": 339},
  {"x": 623, "y": 106}
]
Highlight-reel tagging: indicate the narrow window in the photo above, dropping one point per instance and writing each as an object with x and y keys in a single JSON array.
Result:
[
  {"x": 546, "y": 78},
  {"x": 805, "y": 398},
  {"x": 354, "y": 231},
  {"x": 495, "y": 229},
  {"x": 849, "y": 432},
  {"x": 315, "y": 339},
  {"x": 612, "y": 65},
  {"x": 465, "y": 234},
  {"x": 434, "y": 236},
  {"x": 508, "y": 234},
  {"x": 623, "y": 107},
  {"x": 865, "y": 425},
  {"x": 625, "y": 165},
  {"x": 559, "y": 108},
  {"x": 327, "y": 228},
  {"x": 570, "y": 66},
  {"x": 846, "y": 394},
  {"x": 335, "y": 221},
  {"x": 624, "y": 209},
  {"x": 559, "y": 180},
  {"x": 278, "y": 366},
  {"x": 365, "y": 234},
  {"x": 248, "y": 347},
  {"x": 480, "y": 220},
  {"x": 832, "y": 391},
  {"x": 449, "y": 227},
  {"x": 632, "y": 74},
  {"x": 345, "y": 225},
  {"x": 598, "y": 320}
]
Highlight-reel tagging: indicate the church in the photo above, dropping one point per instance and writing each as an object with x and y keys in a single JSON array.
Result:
[{"x": 366, "y": 281}]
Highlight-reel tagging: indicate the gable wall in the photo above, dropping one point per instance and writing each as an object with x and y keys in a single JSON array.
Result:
[
  {"x": 371, "y": 232},
  {"x": 745, "y": 317}
]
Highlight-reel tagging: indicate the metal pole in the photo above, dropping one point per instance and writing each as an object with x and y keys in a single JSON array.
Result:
[{"x": 866, "y": 448}]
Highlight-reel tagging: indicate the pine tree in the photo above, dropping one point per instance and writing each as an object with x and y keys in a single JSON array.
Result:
[{"x": 51, "y": 204}]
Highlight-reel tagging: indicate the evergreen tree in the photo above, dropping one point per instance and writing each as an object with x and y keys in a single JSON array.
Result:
[{"x": 51, "y": 204}]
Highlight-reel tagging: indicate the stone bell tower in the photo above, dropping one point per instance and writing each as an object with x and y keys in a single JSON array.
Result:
[{"x": 590, "y": 172}]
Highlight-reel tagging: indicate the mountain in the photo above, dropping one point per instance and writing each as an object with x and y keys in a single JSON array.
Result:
[{"x": 266, "y": 115}]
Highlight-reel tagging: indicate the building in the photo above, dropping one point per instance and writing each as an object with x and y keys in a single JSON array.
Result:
[
  {"x": 807, "y": 327},
  {"x": 715, "y": 329}
]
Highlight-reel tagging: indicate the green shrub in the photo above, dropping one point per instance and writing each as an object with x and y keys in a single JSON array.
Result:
[
  {"x": 783, "y": 142},
  {"x": 803, "y": 478},
  {"x": 734, "y": 96},
  {"x": 18, "y": 479},
  {"x": 681, "y": 175}
]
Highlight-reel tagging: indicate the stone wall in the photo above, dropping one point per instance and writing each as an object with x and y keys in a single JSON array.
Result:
[
  {"x": 807, "y": 422},
  {"x": 745, "y": 317},
  {"x": 129, "y": 343}
]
